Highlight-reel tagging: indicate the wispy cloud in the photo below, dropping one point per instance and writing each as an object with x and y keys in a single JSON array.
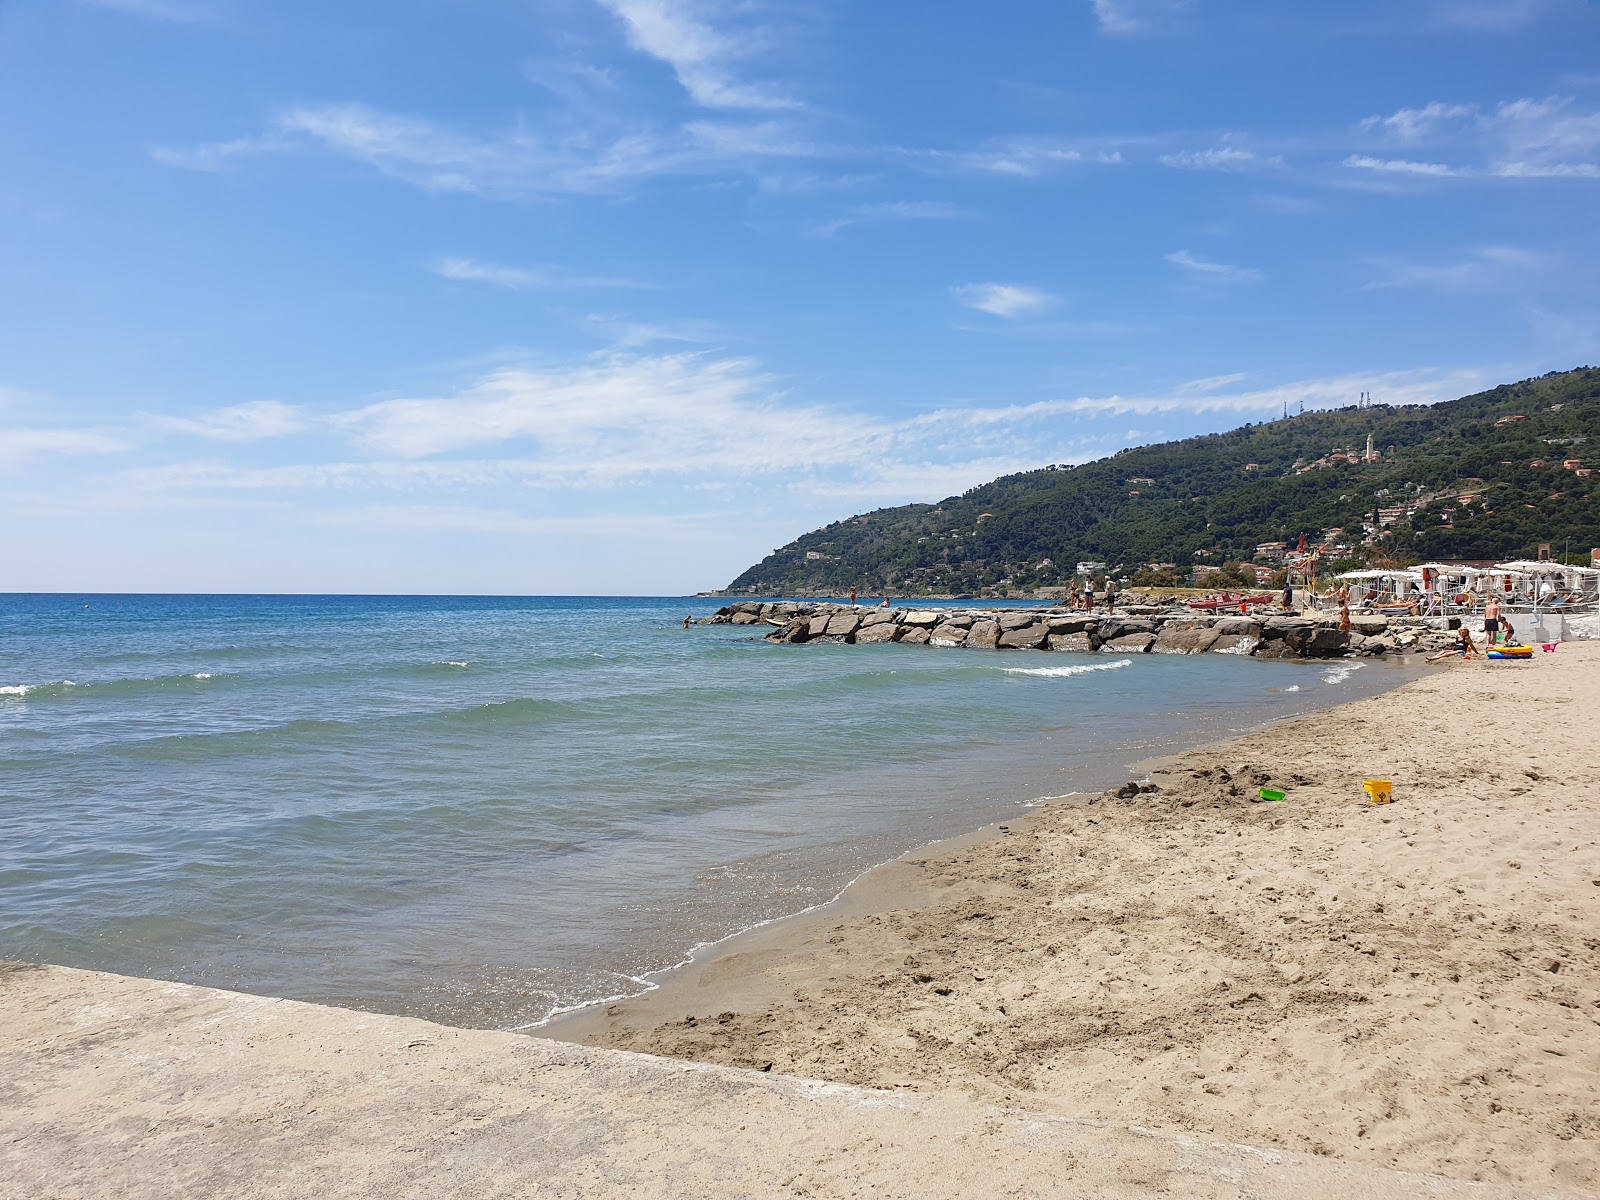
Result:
[
  {"x": 518, "y": 279},
  {"x": 1482, "y": 267},
  {"x": 888, "y": 210},
  {"x": 1125, "y": 17},
  {"x": 1026, "y": 157},
  {"x": 1492, "y": 16},
  {"x": 1401, "y": 166},
  {"x": 1008, "y": 300},
  {"x": 1218, "y": 158},
  {"x": 1219, "y": 272},
  {"x": 518, "y": 162},
  {"x": 239, "y": 422},
  {"x": 157, "y": 10},
  {"x": 19, "y": 444},
  {"x": 681, "y": 33},
  {"x": 1519, "y": 139},
  {"x": 1394, "y": 387},
  {"x": 1412, "y": 125}
]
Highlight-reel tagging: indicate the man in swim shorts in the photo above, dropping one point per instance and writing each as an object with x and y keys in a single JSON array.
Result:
[{"x": 1491, "y": 621}]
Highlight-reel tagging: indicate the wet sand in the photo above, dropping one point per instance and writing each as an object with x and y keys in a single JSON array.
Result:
[{"x": 1414, "y": 986}]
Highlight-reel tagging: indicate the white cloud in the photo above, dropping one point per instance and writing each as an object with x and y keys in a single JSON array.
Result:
[
  {"x": 1219, "y": 158},
  {"x": 240, "y": 422},
  {"x": 523, "y": 161},
  {"x": 1482, "y": 267},
  {"x": 1517, "y": 139},
  {"x": 157, "y": 10},
  {"x": 1219, "y": 272},
  {"x": 1400, "y": 166},
  {"x": 470, "y": 270},
  {"x": 1394, "y": 387},
  {"x": 1006, "y": 300},
  {"x": 680, "y": 34},
  {"x": 1492, "y": 16},
  {"x": 1027, "y": 157},
  {"x": 1124, "y": 17},
  {"x": 1412, "y": 125},
  {"x": 890, "y": 210},
  {"x": 17, "y": 444}
]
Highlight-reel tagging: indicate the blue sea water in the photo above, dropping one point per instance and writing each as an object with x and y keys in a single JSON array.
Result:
[{"x": 482, "y": 810}]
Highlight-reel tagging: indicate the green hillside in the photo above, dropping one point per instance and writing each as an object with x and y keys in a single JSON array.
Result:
[{"x": 1465, "y": 469}]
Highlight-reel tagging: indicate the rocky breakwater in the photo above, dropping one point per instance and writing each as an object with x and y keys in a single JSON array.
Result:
[{"x": 1138, "y": 629}]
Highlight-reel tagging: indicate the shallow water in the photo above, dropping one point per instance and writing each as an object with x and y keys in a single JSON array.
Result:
[{"x": 480, "y": 810}]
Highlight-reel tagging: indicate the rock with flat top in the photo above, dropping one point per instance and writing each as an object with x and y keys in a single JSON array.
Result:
[
  {"x": 843, "y": 624},
  {"x": 884, "y": 631},
  {"x": 983, "y": 635},
  {"x": 1026, "y": 637},
  {"x": 947, "y": 634},
  {"x": 925, "y": 620},
  {"x": 1129, "y": 643}
]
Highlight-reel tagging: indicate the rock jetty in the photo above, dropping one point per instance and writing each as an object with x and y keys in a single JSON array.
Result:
[{"x": 1132, "y": 629}]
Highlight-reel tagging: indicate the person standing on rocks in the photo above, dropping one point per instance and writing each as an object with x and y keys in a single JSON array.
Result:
[{"x": 852, "y": 595}]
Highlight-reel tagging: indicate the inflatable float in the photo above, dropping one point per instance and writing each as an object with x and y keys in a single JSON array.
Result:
[{"x": 1510, "y": 652}]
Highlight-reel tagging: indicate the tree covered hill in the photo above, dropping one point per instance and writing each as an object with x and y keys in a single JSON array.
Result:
[{"x": 1479, "y": 477}]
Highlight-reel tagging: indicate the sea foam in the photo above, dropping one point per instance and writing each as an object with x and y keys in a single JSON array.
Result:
[{"x": 1078, "y": 669}]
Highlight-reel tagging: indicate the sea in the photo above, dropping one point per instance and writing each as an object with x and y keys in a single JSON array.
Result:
[{"x": 487, "y": 811}]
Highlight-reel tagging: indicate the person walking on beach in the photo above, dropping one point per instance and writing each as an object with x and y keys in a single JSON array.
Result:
[{"x": 1491, "y": 621}]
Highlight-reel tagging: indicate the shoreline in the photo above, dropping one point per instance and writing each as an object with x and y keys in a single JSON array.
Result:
[
  {"x": 891, "y": 883},
  {"x": 1118, "y": 959}
]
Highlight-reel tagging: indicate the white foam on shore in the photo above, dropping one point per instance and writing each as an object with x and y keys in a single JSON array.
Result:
[
  {"x": 1079, "y": 669},
  {"x": 1342, "y": 672}
]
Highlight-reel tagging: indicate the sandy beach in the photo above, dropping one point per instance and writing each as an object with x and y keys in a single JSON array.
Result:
[{"x": 1410, "y": 986}]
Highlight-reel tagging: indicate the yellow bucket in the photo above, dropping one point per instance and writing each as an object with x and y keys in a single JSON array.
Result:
[{"x": 1379, "y": 791}]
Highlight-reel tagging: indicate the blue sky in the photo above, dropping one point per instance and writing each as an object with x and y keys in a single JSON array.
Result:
[{"x": 615, "y": 296}]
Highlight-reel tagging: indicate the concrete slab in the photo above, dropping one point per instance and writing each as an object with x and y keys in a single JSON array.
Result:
[{"x": 122, "y": 1087}]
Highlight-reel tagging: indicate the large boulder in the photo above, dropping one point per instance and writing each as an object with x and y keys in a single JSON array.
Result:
[
  {"x": 743, "y": 618},
  {"x": 1277, "y": 627},
  {"x": 958, "y": 620},
  {"x": 875, "y": 616},
  {"x": 1238, "y": 626},
  {"x": 1074, "y": 642},
  {"x": 1369, "y": 624},
  {"x": 947, "y": 634},
  {"x": 983, "y": 635},
  {"x": 819, "y": 624},
  {"x": 925, "y": 620},
  {"x": 1026, "y": 637},
  {"x": 1237, "y": 643},
  {"x": 1185, "y": 639},
  {"x": 1073, "y": 623},
  {"x": 797, "y": 630},
  {"x": 883, "y": 631},
  {"x": 843, "y": 624},
  {"x": 1129, "y": 643},
  {"x": 914, "y": 636},
  {"x": 1016, "y": 620},
  {"x": 1112, "y": 628}
]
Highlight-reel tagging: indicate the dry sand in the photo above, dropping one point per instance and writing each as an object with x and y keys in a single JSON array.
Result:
[{"x": 1411, "y": 986}]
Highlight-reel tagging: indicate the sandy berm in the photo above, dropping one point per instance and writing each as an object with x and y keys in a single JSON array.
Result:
[{"x": 1412, "y": 985}]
